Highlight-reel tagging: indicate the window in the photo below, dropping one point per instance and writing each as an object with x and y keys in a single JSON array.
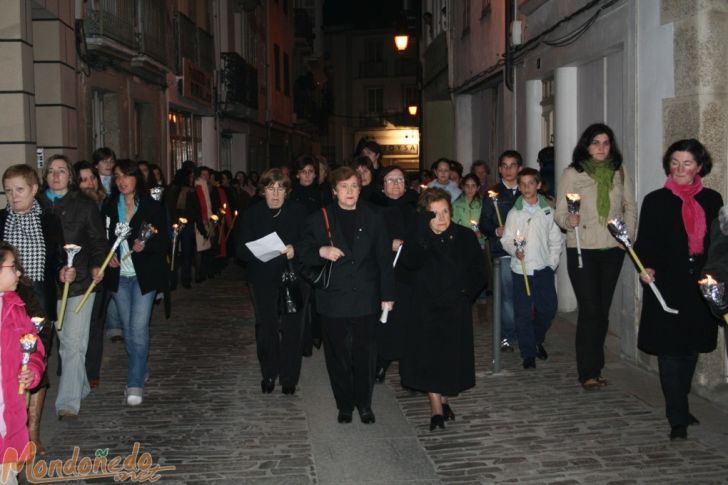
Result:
[
  {"x": 185, "y": 135},
  {"x": 485, "y": 8},
  {"x": 375, "y": 100},
  {"x": 547, "y": 112},
  {"x": 277, "y": 65},
  {"x": 373, "y": 50},
  {"x": 286, "y": 76}
]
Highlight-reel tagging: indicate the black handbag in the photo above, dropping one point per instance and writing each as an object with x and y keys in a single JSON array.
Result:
[
  {"x": 289, "y": 293},
  {"x": 320, "y": 276}
]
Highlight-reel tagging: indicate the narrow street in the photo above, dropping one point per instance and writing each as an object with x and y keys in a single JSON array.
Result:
[{"x": 204, "y": 414}]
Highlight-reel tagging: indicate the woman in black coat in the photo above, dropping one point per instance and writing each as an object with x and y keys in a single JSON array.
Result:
[
  {"x": 278, "y": 337},
  {"x": 398, "y": 209},
  {"x": 135, "y": 281},
  {"x": 361, "y": 284},
  {"x": 450, "y": 273},
  {"x": 672, "y": 241}
]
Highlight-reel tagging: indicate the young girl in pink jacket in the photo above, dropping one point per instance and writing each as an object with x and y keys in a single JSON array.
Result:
[{"x": 14, "y": 323}]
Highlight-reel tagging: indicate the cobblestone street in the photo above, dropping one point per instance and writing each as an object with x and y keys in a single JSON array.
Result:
[{"x": 204, "y": 414}]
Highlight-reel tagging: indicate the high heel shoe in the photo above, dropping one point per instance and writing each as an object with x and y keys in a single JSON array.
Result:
[
  {"x": 437, "y": 421},
  {"x": 267, "y": 385},
  {"x": 447, "y": 413},
  {"x": 380, "y": 375}
]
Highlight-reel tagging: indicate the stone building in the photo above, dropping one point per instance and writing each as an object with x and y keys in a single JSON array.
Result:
[{"x": 533, "y": 73}]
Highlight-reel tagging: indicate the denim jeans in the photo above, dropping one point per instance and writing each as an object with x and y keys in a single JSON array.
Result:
[
  {"x": 135, "y": 311},
  {"x": 508, "y": 323},
  {"x": 534, "y": 313},
  {"x": 73, "y": 338},
  {"x": 113, "y": 323}
]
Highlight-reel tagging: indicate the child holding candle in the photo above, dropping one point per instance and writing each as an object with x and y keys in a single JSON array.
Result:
[
  {"x": 14, "y": 324},
  {"x": 533, "y": 219}
]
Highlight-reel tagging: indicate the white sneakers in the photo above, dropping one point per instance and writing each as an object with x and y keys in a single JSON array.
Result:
[{"x": 133, "y": 396}]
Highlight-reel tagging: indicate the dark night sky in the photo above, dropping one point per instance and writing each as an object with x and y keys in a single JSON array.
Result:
[{"x": 362, "y": 13}]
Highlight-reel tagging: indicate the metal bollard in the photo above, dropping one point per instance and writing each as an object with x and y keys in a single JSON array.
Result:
[{"x": 496, "y": 316}]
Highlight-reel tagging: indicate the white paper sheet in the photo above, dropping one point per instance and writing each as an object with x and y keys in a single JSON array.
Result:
[{"x": 267, "y": 247}]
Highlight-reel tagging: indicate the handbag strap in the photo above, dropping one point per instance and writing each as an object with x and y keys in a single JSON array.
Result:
[{"x": 326, "y": 225}]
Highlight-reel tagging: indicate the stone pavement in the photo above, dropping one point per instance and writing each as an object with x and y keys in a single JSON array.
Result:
[{"x": 204, "y": 414}]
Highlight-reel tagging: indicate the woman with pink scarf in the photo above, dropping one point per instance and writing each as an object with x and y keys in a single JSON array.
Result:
[{"x": 672, "y": 241}]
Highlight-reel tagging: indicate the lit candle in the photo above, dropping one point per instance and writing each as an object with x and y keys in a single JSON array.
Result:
[
  {"x": 28, "y": 344},
  {"x": 520, "y": 242},
  {"x": 494, "y": 197},
  {"x": 573, "y": 204},
  {"x": 232, "y": 224},
  {"x": 176, "y": 229},
  {"x": 71, "y": 251},
  {"x": 714, "y": 292},
  {"x": 145, "y": 234}
]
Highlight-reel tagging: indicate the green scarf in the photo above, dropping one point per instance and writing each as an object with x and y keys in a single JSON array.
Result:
[{"x": 603, "y": 174}]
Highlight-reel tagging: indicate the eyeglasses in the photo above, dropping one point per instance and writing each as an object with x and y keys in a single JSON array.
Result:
[
  {"x": 394, "y": 180},
  {"x": 273, "y": 189},
  {"x": 14, "y": 266}
]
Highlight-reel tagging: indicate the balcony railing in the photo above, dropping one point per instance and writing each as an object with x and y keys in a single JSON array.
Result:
[
  {"x": 239, "y": 82},
  {"x": 114, "y": 19},
  {"x": 372, "y": 69},
  {"x": 153, "y": 29},
  {"x": 186, "y": 40}
]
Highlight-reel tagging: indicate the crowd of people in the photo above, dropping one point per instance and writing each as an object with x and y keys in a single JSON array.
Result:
[{"x": 376, "y": 264}]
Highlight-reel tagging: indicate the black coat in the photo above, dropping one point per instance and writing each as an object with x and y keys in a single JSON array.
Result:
[
  {"x": 363, "y": 278},
  {"x": 257, "y": 222},
  {"x": 82, "y": 225},
  {"x": 439, "y": 355},
  {"x": 662, "y": 244},
  {"x": 489, "y": 218},
  {"x": 150, "y": 264},
  {"x": 399, "y": 216},
  {"x": 310, "y": 197},
  {"x": 55, "y": 255}
]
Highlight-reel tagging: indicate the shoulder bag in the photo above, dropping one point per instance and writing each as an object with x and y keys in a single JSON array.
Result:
[{"x": 320, "y": 276}]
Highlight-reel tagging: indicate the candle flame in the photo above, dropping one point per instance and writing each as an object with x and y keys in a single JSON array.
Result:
[
  {"x": 183, "y": 220},
  {"x": 519, "y": 235},
  {"x": 175, "y": 226},
  {"x": 492, "y": 194},
  {"x": 224, "y": 205},
  {"x": 708, "y": 280},
  {"x": 236, "y": 213},
  {"x": 573, "y": 197},
  {"x": 423, "y": 186},
  {"x": 473, "y": 222},
  {"x": 223, "y": 211},
  {"x": 36, "y": 320},
  {"x": 214, "y": 217}
]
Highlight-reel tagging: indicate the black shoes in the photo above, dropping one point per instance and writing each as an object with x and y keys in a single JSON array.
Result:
[
  {"x": 447, "y": 413},
  {"x": 367, "y": 415},
  {"x": 529, "y": 363},
  {"x": 290, "y": 390},
  {"x": 380, "y": 375},
  {"x": 344, "y": 417},
  {"x": 437, "y": 421},
  {"x": 692, "y": 420},
  {"x": 267, "y": 385},
  {"x": 679, "y": 433},
  {"x": 541, "y": 352}
]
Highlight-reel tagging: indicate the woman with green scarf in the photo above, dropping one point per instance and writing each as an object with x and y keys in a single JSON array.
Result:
[{"x": 606, "y": 191}]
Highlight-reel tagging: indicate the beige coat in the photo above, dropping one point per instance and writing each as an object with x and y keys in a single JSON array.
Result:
[{"x": 594, "y": 235}]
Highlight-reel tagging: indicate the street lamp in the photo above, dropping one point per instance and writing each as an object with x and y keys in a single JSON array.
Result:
[
  {"x": 401, "y": 41},
  {"x": 412, "y": 109}
]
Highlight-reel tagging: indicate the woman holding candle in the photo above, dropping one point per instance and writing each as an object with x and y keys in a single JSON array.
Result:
[
  {"x": 673, "y": 241},
  {"x": 82, "y": 226},
  {"x": 38, "y": 238},
  {"x": 14, "y": 325},
  {"x": 398, "y": 212},
  {"x": 134, "y": 281},
  {"x": 449, "y": 273},
  {"x": 605, "y": 186},
  {"x": 279, "y": 338},
  {"x": 361, "y": 285}
]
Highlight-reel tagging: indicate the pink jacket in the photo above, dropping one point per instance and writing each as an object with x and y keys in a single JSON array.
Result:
[{"x": 14, "y": 324}]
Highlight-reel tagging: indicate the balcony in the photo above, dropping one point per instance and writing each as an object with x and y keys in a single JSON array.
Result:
[
  {"x": 132, "y": 31},
  {"x": 239, "y": 85},
  {"x": 405, "y": 67},
  {"x": 193, "y": 44},
  {"x": 372, "y": 69}
]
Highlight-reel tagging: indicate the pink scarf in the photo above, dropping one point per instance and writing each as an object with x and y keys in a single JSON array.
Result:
[{"x": 693, "y": 214}]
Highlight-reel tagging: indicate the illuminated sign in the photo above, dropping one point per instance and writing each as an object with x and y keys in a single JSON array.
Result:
[{"x": 403, "y": 149}]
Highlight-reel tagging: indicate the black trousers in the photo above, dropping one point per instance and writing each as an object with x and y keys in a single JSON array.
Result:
[
  {"x": 594, "y": 286},
  {"x": 350, "y": 351},
  {"x": 279, "y": 340},
  {"x": 676, "y": 376},
  {"x": 95, "y": 348}
]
